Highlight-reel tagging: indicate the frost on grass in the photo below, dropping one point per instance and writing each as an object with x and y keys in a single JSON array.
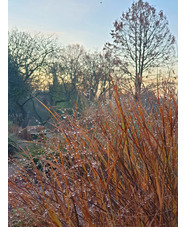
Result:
[{"x": 114, "y": 167}]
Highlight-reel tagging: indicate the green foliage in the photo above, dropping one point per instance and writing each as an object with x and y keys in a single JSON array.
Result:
[
  {"x": 29, "y": 56},
  {"x": 18, "y": 88}
]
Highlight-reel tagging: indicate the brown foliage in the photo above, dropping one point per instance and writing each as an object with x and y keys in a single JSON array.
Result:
[{"x": 121, "y": 171}]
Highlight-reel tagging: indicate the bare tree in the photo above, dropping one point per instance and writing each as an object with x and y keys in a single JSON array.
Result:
[
  {"x": 72, "y": 63},
  {"x": 98, "y": 69},
  {"x": 142, "y": 40},
  {"x": 31, "y": 51},
  {"x": 88, "y": 72}
]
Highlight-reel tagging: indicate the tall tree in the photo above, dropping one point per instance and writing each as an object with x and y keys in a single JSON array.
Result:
[
  {"x": 142, "y": 40},
  {"x": 96, "y": 78},
  {"x": 72, "y": 63},
  {"x": 31, "y": 51}
]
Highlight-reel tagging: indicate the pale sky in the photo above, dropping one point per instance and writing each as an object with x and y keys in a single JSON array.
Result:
[{"x": 87, "y": 22}]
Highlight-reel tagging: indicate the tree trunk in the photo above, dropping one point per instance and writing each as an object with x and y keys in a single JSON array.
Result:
[
  {"x": 138, "y": 81},
  {"x": 25, "y": 116}
]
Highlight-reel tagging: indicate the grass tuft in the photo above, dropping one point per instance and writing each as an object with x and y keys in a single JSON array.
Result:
[{"x": 116, "y": 167}]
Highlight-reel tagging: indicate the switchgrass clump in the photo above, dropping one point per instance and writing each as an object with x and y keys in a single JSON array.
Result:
[{"x": 116, "y": 168}]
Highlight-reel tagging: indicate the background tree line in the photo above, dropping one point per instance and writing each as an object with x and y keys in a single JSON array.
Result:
[
  {"x": 58, "y": 76},
  {"x": 40, "y": 67}
]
